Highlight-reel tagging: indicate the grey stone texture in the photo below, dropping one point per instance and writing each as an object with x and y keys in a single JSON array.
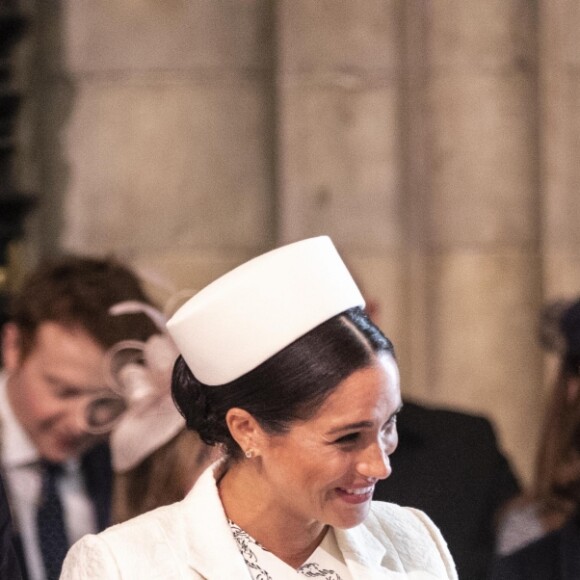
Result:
[
  {"x": 185, "y": 162},
  {"x": 436, "y": 142},
  {"x": 559, "y": 85},
  {"x": 109, "y": 36}
]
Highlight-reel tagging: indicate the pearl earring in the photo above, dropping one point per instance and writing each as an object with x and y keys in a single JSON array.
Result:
[{"x": 249, "y": 453}]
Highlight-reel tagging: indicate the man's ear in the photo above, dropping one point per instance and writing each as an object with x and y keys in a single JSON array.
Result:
[
  {"x": 244, "y": 429},
  {"x": 11, "y": 346}
]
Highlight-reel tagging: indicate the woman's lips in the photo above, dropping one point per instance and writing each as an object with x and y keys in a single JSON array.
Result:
[{"x": 356, "y": 495}]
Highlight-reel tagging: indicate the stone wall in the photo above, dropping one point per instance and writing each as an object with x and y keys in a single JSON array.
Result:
[{"x": 435, "y": 142}]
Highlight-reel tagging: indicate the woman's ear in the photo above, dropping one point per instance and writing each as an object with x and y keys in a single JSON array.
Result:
[
  {"x": 11, "y": 346},
  {"x": 245, "y": 430}
]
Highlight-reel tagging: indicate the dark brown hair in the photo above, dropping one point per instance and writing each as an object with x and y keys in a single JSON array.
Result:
[
  {"x": 557, "y": 477},
  {"x": 78, "y": 292},
  {"x": 289, "y": 386}
]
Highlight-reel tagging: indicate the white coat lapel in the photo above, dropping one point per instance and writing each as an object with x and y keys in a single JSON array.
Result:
[
  {"x": 212, "y": 549},
  {"x": 364, "y": 554},
  {"x": 368, "y": 559}
]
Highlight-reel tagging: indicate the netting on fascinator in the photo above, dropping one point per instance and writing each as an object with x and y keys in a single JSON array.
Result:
[{"x": 139, "y": 411}]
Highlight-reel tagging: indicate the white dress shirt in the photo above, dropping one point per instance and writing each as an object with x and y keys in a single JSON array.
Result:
[
  {"x": 325, "y": 563},
  {"x": 20, "y": 467}
]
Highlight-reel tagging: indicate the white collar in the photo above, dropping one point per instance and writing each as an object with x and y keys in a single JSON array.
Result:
[
  {"x": 211, "y": 547},
  {"x": 17, "y": 448}
]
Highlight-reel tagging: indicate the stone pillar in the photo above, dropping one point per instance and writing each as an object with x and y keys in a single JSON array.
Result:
[
  {"x": 482, "y": 264},
  {"x": 169, "y": 131},
  {"x": 559, "y": 142}
]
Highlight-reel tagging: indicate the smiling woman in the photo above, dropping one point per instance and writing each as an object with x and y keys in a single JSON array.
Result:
[{"x": 282, "y": 369}]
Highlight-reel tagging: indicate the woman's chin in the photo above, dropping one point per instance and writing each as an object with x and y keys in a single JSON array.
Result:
[{"x": 351, "y": 518}]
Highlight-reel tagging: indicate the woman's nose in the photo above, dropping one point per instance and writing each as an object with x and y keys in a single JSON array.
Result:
[{"x": 376, "y": 463}]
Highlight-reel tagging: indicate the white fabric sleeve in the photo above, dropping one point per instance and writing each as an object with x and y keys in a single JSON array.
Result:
[
  {"x": 90, "y": 559},
  {"x": 439, "y": 541}
]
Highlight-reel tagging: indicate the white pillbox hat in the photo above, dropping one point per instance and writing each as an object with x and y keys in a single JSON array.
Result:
[{"x": 254, "y": 311}]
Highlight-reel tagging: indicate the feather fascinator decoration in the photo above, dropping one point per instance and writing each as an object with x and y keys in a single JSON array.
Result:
[{"x": 139, "y": 410}]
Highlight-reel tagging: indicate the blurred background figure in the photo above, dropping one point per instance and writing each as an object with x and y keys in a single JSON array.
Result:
[
  {"x": 156, "y": 460},
  {"x": 450, "y": 465},
  {"x": 58, "y": 475},
  {"x": 555, "y": 556},
  {"x": 549, "y": 511}
]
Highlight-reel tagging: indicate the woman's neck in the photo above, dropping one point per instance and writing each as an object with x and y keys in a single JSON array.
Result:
[{"x": 252, "y": 506}]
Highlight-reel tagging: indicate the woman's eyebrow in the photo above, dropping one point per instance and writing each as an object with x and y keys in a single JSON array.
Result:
[
  {"x": 351, "y": 426},
  {"x": 361, "y": 424}
]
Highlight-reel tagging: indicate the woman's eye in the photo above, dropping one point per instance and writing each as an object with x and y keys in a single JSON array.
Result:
[
  {"x": 350, "y": 438},
  {"x": 390, "y": 426}
]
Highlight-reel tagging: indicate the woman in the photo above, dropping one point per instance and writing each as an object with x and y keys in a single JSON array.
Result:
[
  {"x": 281, "y": 368},
  {"x": 545, "y": 527},
  {"x": 556, "y": 487}
]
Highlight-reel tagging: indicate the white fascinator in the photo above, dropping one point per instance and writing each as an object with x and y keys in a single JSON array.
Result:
[
  {"x": 257, "y": 309},
  {"x": 139, "y": 410}
]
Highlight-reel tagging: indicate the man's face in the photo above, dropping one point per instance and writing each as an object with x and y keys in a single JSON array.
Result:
[{"x": 49, "y": 389}]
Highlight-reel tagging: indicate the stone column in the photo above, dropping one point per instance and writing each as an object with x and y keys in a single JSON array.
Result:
[
  {"x": 559, "y": 142},
  {"x": 483, "y": 270},
  {"x": 168, "y": 137}
]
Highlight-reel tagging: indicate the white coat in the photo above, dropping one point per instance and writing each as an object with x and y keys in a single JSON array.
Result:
[{"x": 192, "y": 540}]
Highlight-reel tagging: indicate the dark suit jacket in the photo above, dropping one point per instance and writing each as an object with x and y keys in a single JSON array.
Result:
[
  {"x": 448, "y": 464},
  {"x": 556, "y": 556},
  {"x": 98, "y": 476},
  {"x": 9, "y": 565}
]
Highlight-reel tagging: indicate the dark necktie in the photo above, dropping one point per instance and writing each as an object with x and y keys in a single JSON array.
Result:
[{"x": 50, "y": 522}]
